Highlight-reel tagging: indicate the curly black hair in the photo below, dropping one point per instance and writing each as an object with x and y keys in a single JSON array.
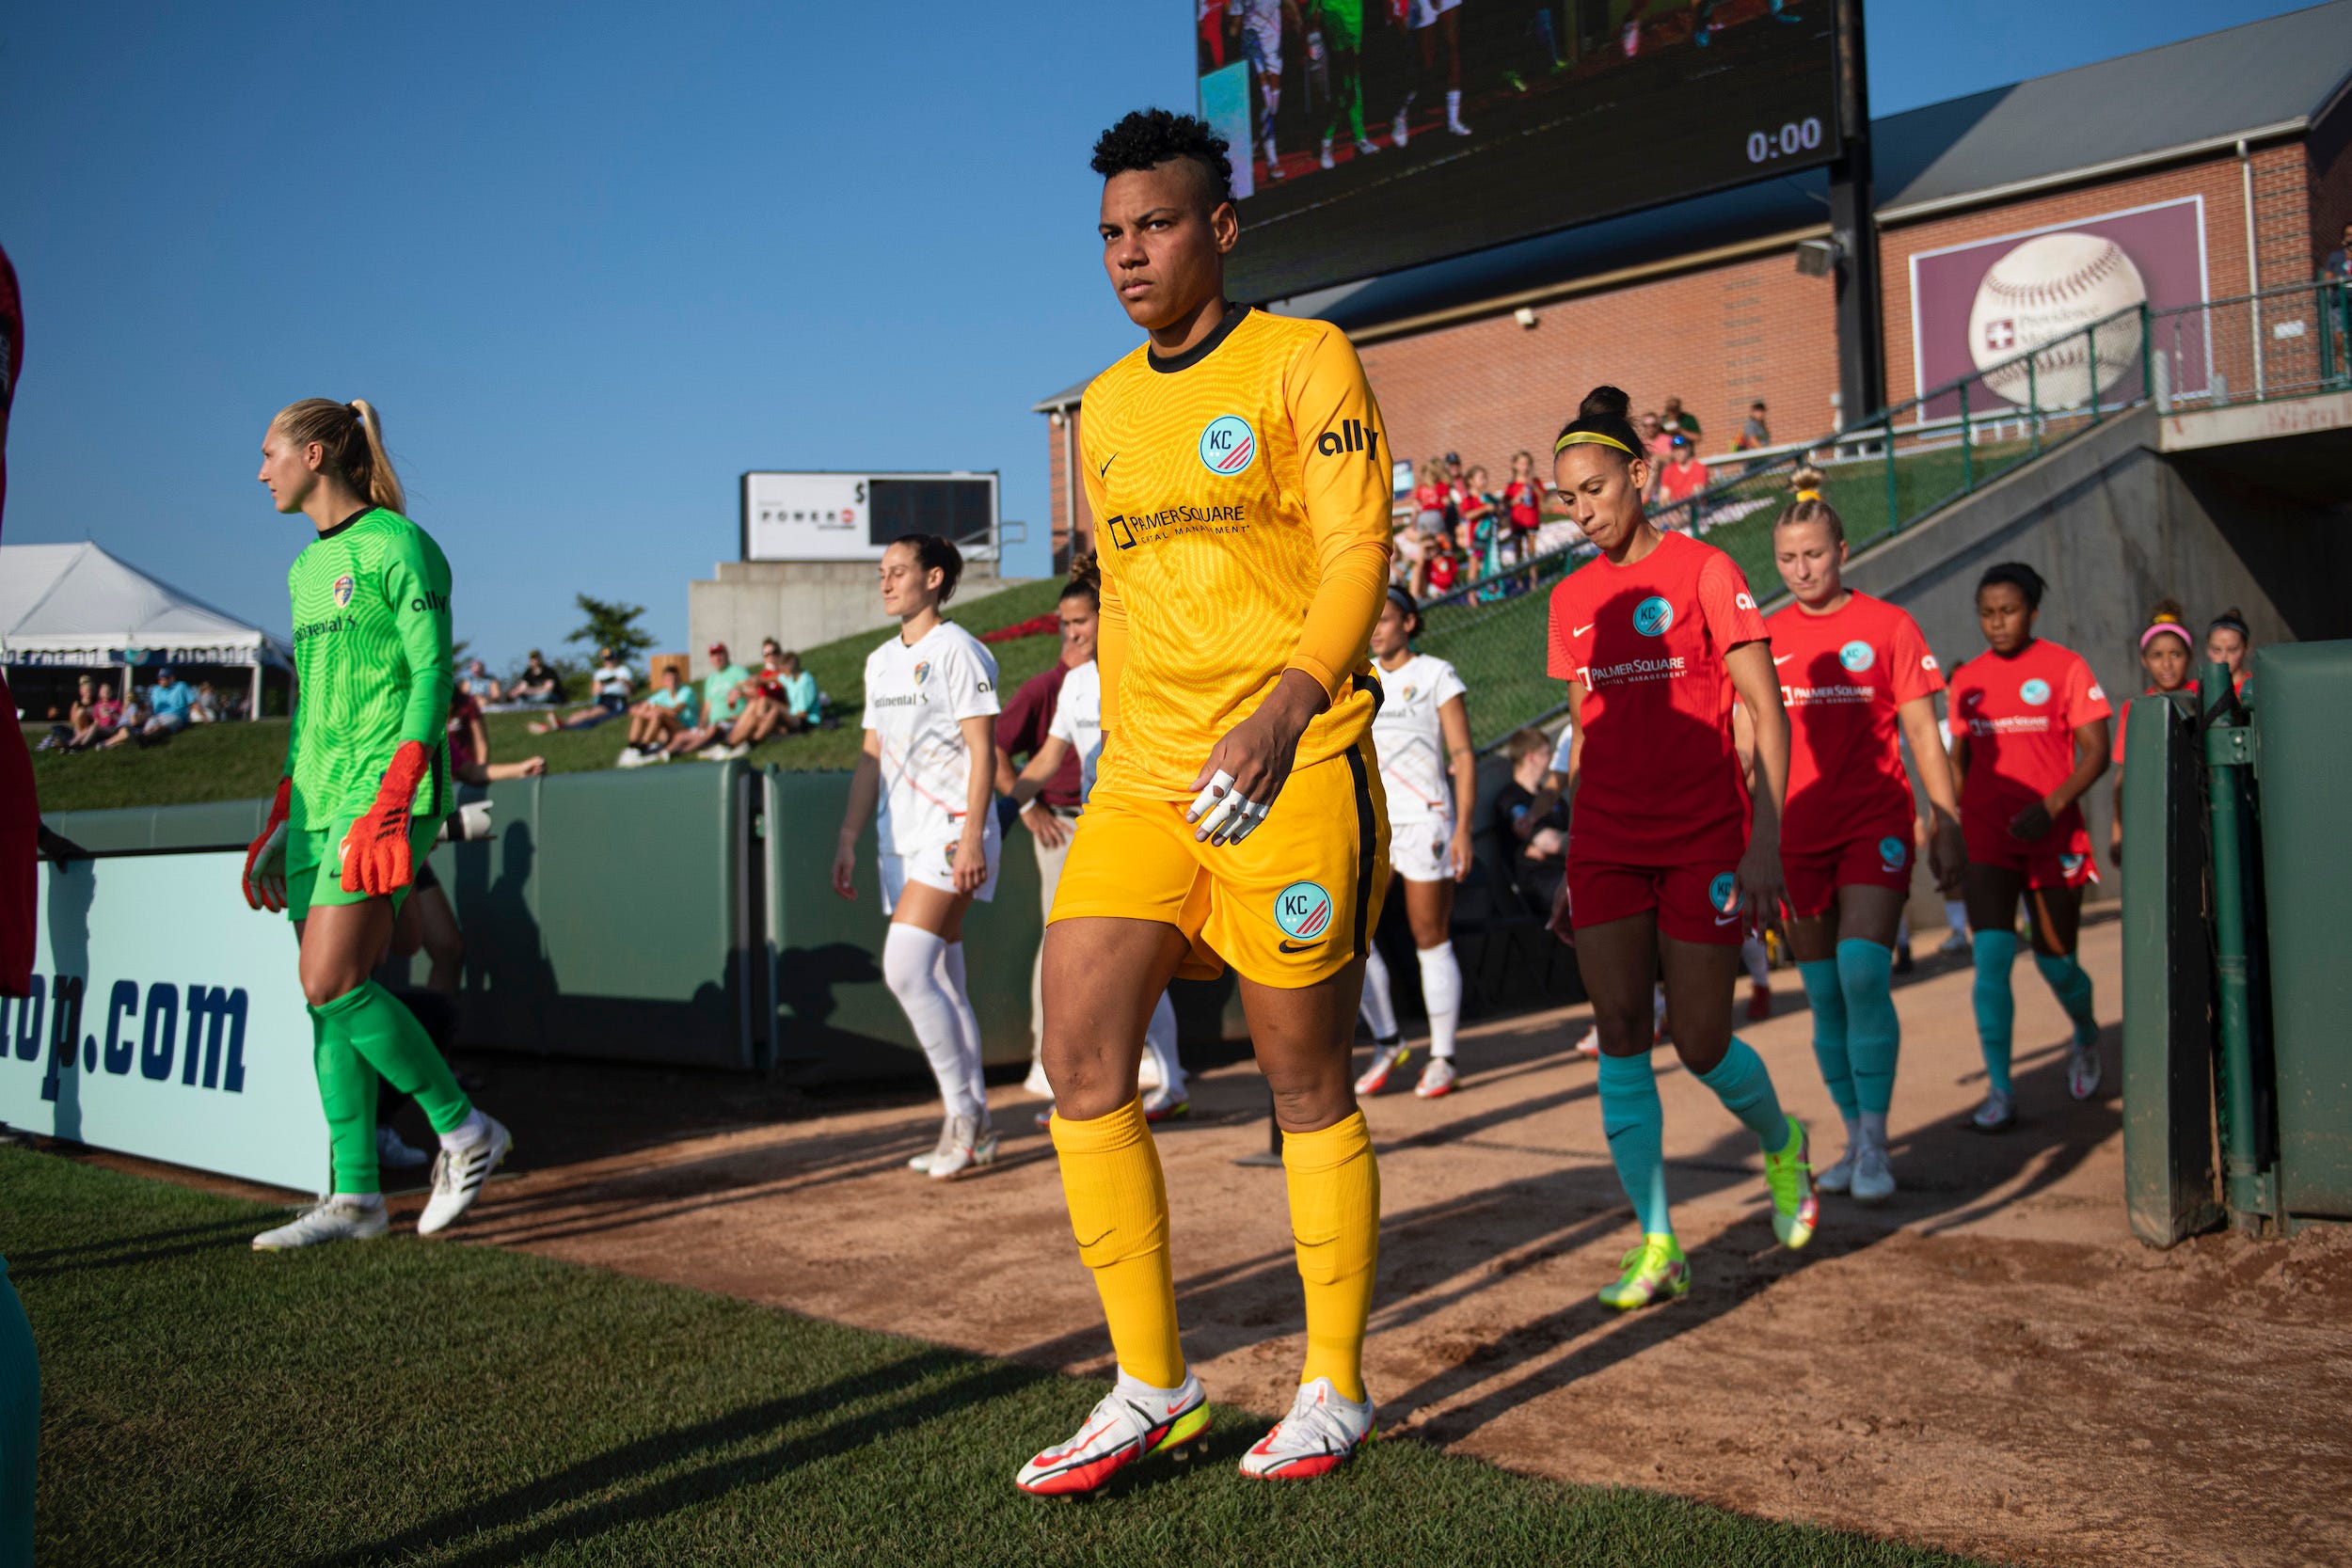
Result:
[{"x": 1147, "y": 139}]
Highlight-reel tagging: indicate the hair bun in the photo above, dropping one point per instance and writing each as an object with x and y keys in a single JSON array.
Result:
[
  {"x": 2167, "y": 610},
  {"x": 1604, "y": 402}
]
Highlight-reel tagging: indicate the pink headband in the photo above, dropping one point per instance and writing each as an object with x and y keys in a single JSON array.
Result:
[{"x": 2159, "y": 629}]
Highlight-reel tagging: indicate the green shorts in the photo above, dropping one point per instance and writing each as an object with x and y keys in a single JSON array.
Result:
[
  {"x": 314, "y": 866},
  {"x": 1343, "y": 23}
]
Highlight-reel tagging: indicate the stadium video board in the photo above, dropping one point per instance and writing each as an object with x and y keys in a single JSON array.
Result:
[
  {"x": 855, "y": 517},
  {"x": 1355, "y": 153}
]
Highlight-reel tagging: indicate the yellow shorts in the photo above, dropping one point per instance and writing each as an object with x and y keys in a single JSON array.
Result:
[{"x": 1291, "y": 905}]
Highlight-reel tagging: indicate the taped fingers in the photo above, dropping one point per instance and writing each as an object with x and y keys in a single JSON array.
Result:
[{"x": 1219, "y": 788}]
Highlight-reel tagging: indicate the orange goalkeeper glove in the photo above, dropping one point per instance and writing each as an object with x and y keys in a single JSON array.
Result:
[
  {"x": 375, "y": 852},
  {"x": 265, "y": 861}
]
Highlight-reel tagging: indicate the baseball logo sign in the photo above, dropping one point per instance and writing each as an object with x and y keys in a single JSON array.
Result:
[{"x": 2045, "y": 292}]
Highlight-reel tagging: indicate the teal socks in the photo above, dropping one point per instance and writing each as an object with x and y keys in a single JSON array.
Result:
[
  {"x": 1866, "y": 976},
  {"x": 2072, "y": 987},
  {"x": 1744, "y": 1085},
  {"x": 1635, "y": 1125},
  {"x": 1823, "y": 990},
  {"x": 1996, "y": 1005}
]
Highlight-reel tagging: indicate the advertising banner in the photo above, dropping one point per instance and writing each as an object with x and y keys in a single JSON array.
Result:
[
  {"x": 165, "y": 1021},
  {"x": 855, "y": 517},
  {"x": 1975, "y": 305}
]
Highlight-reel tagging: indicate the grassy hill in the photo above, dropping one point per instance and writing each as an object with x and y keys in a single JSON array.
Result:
[{"x": 235, "y": 762}]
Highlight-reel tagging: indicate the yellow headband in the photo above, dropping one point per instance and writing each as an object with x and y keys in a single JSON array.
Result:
[
  {"x": 1809, "y": 495},
  {"x": 1573, "y": 437}
]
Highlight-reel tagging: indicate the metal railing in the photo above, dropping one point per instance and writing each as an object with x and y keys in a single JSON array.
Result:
[{"x": 1901, "y": 466}]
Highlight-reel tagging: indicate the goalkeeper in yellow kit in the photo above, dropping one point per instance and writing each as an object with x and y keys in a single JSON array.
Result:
[
  {"x": 1235, "y": 467},
  {"x": 367, "y": 783}
]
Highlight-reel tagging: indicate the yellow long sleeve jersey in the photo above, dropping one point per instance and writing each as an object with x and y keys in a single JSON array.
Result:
[{"x": 1240, "y": 492}]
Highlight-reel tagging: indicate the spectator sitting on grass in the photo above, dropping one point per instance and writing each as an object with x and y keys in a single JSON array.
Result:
[
  {"x": 469, "y": 747},
  {"x": 659, "y": 719},
  {"x": 483, "y": 685},
  {"x": 785, "y": 699},
  {"x": 610, "y": 686},
  {"x": 537, "y": 684},
  {"x": 73, "y": 734},
  {"x": 722, "y": 705},
  {"x": 206, "y": 708},
  {"x": 168, "y": 703}
]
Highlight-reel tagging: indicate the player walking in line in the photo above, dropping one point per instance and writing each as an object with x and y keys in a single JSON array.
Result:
[
  {"x": 1858, "y": 681},
  {"x": 2163, "y": 654},
  {"x": 1342, "y": 23},
  {"x": 1074, "y": 733},
  {"x": 1238, "y": 461},
  {"x": 1668, "y": 851},
  {"x": 367, "y": 783},
  {"x": 2029, "y": 738},
  {"x": 929, "y": 757},
  {"x": 1261, "y": 26},
  {"x": 1432, "y": 22},
  {"x": 1422, "y": 736},
  {"x": 2228, "y": 641}
]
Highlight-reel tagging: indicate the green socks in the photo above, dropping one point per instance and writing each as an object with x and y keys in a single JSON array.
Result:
[
  {"x": 1866, "y": 976},
  {"x": 1824, "y": 990},
  {"x": 1744, "y": 1084},
  {"x": 360, "y": 1034},
  {"x": 1996, "y": 1005}
]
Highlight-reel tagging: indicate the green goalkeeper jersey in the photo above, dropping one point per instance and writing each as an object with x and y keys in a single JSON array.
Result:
[{"x": 371, "y": 663}]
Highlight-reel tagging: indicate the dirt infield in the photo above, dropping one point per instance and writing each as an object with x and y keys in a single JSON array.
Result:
[{"x": 1988, "y": 1363}]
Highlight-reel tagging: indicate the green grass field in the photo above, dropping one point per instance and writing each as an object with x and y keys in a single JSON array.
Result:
[
  {"x": 435, "y": 1402},
  {"x": 236, "y": 762}
]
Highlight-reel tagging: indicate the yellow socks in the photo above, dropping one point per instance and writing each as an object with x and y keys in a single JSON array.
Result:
[
  {"x": 1110, "y": 1174},
  {"x": 1335, "y": 1226}
]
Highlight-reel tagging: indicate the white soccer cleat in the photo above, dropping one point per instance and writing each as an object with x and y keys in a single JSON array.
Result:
[
  {"x": 1132, "y": 1420},
  {"x": 965, "y": 1147},
  {"x": 1398, "y": 131},
  {"x": 335, "y": 1218},
  {"x": 1385, "y": 1060},
  {"x": 1588, "y": 1043},
  {"x": 457, "y": 1176},
  {"x": 937, "y": 1151},
  {"x": 1318, "y": 1436},
  {"x": 1366, "y": 146},
  {"x": 1326, "y": 160},
  {"x": 2083, "y": 1071},
  {"x": 394, "y": 1152},
  {"x": 1436, "y": 1079},
  {"x": 1839, "y": 1177},
  {"x": 1873, "y": 1177},
  {"x": 1999, "y": 1113}
]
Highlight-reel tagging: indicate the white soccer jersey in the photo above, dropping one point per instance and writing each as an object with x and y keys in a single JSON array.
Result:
[
  {"x": 1078, "y": 719},
  {"x": 1406, "y": 737},
  {"x": 914, "y": 699}
]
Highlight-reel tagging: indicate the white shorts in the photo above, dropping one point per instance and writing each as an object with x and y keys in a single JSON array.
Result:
[
  {"x": 1425, "y": 12},
  {"x": 935, "y": 866},
  {"x": 1262, "y": 40},
  {"x": 1422, "y": 851}
]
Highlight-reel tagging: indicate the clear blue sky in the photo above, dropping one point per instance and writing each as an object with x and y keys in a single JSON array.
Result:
[{"x": 594, "y": 263}]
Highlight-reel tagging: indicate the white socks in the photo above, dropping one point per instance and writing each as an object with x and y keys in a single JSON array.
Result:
[
  {"x": 467, "y": 1133},
  {"x": 1379, "y": 1012},
  {"x": 1758, "y": 961},
  {"x": 1441, "y": 993},
  {"x": 361, "y": 1200},
  {"x": 915, "y": 966},
  {"x": 1159, "y": 1038},
  {"x": 968, "y": 1025}
]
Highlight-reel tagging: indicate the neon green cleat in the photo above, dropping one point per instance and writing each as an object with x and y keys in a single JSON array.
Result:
[
  {"x": 1655, "y": 1270},
  {"x": 1790, "y": 1174}
]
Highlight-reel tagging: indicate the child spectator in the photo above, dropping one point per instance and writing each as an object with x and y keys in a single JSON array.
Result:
[
  {"x": 1524, "y": 503},
  {"x": 1430, "y": 496},
  {"x": 1684, "y": 477},
  {"x": 674, "y": 708}
]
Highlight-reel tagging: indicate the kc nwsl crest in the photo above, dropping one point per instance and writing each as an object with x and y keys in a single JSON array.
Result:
[
  {"x": 922, "y": 672},
  {"x": 344, "y": 588}
]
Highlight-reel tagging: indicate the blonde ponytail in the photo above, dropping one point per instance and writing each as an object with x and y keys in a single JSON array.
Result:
[{"x": 352, "y": 436}]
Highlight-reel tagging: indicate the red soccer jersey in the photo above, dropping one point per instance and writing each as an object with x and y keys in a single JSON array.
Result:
[
  {"x": 1842, "y": 676},
  {"x": 1660, "y": 779},
  {"x": 2021, "y": 715}
]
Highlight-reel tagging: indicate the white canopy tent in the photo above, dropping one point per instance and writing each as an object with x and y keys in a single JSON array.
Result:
[{"x": 77, "y": 607}]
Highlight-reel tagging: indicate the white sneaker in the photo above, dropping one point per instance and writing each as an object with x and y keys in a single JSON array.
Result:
[
  {"x": 1458, "y": 127},
  {"x": 1837, "y": 1178},
  {"x": 937, "y": 1151},
  {"x": 394, "y": 1152},
  {"x": 715, "y": 751},
  {"x": 2083, "y": 1071},
  {"x": 1436, "y": 1079},
  {"x": 1385, "y": 1060},
  {"x": 968, "y": 1147},
  {"x": 630, "y": 757},
  {"x": 1327, "y": 154},
  {"x": 457, "y": 1176},
  {"x": 740, "y": 749},
  {"x": 1314, "y": 1439},
  {"x": 1134, "y": 1419},
  {"x": 1873, "y": 1177},
  {"x": 1953, "y": 946},
  {"x": 335, "y": 1218},
  {"x": 1999, "y": 1113}
]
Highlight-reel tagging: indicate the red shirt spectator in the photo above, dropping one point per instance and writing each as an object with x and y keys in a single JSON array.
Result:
[
  {"x": 463, "y": 712},
  {"x": 1683, "y": 476},
  {"x": 1021, "y": 730}
]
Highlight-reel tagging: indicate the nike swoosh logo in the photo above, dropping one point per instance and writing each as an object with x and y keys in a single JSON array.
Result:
[
  {"x": 1296, "y": 946},
  {"x": 1784, "y": 658},
  {"x": 1582, "y": 630},
  {"x": 1096, "y": 1242},
  {"x": 1105, "y": 469},
  {"x": 1726, "y": 919}
]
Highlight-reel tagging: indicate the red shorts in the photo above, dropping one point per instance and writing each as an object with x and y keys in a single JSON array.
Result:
[
  {"x": 2059, "y": 858},
  {"x": 1690, "y": 899},
  {"x": 1880, "y": 859}
]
